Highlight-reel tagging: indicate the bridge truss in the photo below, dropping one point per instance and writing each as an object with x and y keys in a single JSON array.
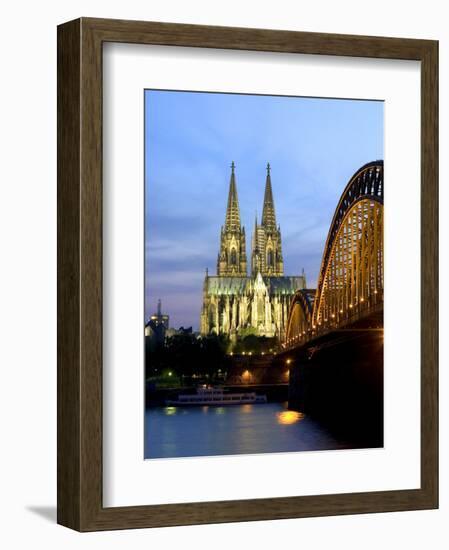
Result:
[{"x": 350, "y": 284}]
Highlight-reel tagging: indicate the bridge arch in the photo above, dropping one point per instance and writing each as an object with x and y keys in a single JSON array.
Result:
[
  {"x": 350, "y": 281},
  {"x": 351, "y": 274},
  {"x": 299, "y": 319}
]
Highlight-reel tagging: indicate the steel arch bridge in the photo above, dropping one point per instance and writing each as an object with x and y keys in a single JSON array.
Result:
[{"x": 350, "y": 283}]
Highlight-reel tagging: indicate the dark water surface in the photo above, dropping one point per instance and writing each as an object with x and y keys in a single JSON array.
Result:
[{"x": 230, "y": 430}]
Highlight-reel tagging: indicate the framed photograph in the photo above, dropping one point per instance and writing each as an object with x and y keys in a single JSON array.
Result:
[{"x": 247, "y": 274}]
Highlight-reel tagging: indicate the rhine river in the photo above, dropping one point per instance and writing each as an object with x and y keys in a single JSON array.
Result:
[{"x": 231, "y": 430}]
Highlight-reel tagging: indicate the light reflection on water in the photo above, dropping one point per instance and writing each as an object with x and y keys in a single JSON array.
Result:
[
  {"x": 229, "y": 430},
  {"x": 289, "y": 417}
]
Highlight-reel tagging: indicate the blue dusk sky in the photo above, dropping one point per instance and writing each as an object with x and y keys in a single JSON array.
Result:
[{"x": 313, "y": 146}]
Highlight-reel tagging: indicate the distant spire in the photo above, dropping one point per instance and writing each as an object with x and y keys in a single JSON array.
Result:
[
  {"x": 255, "y": 243},
  {"x": 159, "y": 307},
  {"x": 268, "y": 214},
  {"x": 232, "y": 211},
  {"x": 206, "y": 280}
]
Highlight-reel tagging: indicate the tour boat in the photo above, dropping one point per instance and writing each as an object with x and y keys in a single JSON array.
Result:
[{"x": 207, "y": 395}]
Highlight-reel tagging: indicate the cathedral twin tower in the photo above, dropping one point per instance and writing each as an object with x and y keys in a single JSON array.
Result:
[
  {"x": 234, "y": 303},
  {"x": 266, "y": 255}
]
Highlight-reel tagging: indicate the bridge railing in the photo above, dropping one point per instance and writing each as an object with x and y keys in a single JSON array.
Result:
[{"x": 356, "y": 315}]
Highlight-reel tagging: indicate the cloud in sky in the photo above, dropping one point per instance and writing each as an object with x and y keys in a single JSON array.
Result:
[{"x": 313, "y": 145}]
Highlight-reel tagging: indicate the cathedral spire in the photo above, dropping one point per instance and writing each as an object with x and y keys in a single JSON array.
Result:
[
  {"x": 268, "y": 214},
  {"x": 255, "y": 224},
  {"x": 232, "y": 211},
  {"x": 231, "y": 261},
  {"x": 267, "y": 247}
]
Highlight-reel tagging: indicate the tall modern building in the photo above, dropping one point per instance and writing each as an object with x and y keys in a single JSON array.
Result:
[{"x": 235, "y": 303}]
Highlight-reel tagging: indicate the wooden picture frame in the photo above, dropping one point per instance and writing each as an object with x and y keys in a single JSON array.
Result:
[{"x": 80, "y": 504}]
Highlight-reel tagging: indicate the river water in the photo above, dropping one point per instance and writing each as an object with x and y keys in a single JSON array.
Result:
[{"x": 238, "y": 429}]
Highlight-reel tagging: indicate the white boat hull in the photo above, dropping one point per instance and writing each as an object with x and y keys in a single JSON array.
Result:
[
  {"x": 183, "y": 403},
  {"x": 217, "y": 397}
]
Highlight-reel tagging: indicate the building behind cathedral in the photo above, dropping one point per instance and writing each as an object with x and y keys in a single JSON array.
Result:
[{"x": 235, "y": 303}]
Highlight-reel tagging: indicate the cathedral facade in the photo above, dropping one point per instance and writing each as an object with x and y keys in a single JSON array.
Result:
[{"x": 237, "y": 303}]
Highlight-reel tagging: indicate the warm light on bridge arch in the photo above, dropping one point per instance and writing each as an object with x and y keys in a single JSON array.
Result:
[{"x": 350, "y": 284}]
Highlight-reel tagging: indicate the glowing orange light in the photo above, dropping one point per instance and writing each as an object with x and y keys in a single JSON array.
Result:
[{"x": 289, "y": 417}]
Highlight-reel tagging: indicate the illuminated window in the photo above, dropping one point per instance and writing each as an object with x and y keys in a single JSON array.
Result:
[{"x": 233, "y": 257}]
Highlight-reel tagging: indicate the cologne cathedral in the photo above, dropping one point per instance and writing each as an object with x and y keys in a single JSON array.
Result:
[{"x": 235, "y": 303}]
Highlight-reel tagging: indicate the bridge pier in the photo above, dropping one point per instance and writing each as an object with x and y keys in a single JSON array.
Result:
[{"x": 339, "y": 380}]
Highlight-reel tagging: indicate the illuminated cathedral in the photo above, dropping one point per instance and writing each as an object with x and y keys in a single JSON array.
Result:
[{"x": 235, "y": 303}]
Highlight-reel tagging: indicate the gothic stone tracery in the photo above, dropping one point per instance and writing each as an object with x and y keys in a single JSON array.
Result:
[{"x": 233, "y": 301}]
